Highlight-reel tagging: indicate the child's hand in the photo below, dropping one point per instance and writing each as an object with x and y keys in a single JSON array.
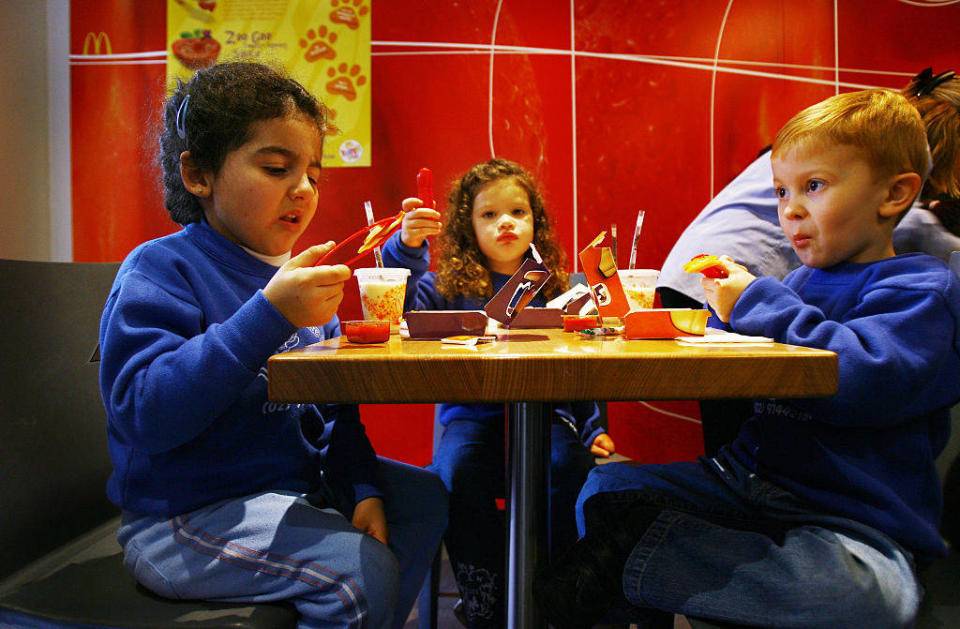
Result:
[
  {"x": 722, "y": 294},
  {"x": 602, "y": 445},
  {"x": 369, "y": 517},
  {"x": 418, "y": 223},
  {"x": 306, "y": 294}
]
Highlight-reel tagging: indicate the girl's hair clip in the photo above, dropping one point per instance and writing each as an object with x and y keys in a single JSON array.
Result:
[
  {"x": 926, "y": 81},
  {"x": 182, "y": 117}
]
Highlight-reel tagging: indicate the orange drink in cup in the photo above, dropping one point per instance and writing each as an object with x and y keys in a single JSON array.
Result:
[
  {"x": 382, "y": 291},
  {"x": 639, "y": 285}
]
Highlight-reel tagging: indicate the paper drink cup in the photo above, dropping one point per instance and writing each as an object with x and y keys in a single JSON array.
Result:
[
  {"x": 381, "y": 293},
  {"x": 640, "y": 286}
]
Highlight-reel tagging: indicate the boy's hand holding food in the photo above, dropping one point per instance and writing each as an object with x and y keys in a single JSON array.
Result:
[
  {"x": 305, "y": 294},
  {"x": 723, "y": 293},
  {"x": 419, "y": 222}
]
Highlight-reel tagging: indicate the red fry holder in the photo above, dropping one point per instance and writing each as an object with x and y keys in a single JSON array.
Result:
[{"x": 346, "y": 253}]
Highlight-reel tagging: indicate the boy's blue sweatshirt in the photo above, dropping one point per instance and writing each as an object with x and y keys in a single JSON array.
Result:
[
  {"x": 184, "y": 338},
  {"x": 583, "y": 417},
  {"x": 866, "y": 453}
]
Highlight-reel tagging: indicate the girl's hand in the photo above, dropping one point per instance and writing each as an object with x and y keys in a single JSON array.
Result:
[
  {"x": 305, "y": 294},
  {"x": 418, "y": 223},
  {"x": 723, "y": 294},
  {"x": 369, "y": 517},
  {"x": 602, "y": 446}
]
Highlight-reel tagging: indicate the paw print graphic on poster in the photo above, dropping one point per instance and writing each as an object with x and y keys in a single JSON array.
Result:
[
  {"x": 319, "y": 44},
  {"x": 348, "y": 12},
  {"x": 344, "y": 80}
]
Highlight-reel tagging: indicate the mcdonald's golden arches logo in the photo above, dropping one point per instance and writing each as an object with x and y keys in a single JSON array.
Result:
[{"x": 96, "y": 41}]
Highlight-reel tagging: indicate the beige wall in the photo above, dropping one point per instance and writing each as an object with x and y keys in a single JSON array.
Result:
[{"x": 28, "y": 226}]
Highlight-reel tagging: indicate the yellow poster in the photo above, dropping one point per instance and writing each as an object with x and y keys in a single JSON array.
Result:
[{"x": 325, "y": 44}]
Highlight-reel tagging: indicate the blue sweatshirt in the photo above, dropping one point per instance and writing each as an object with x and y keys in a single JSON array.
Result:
[
  {"x": 582, "y": 417},
  {"x": 184, "y": 338},
  {"x": 866, "y": 453}
]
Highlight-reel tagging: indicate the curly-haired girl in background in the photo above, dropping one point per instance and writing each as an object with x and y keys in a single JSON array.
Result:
[{"x": 495, "y": 212}]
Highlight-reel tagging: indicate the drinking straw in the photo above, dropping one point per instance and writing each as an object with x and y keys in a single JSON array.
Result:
[
  {"x": 535, "y": 254},
  {"x": 613, "y": 241},
  {"x": 368, "y": 208},
  {"x": 636, "y": 239}
]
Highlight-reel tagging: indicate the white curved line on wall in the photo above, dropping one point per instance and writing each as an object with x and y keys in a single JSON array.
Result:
[
  {"x": 154, "y": 57},
  {"x": 723, "y": 70},
  {"x": 696, "y": 63},
  {"x": 670, "y": 413},
  {"x": 139, "y": 62},
  {"x": 929, "y": 3},
  {"x": 713, "y": 90},
  {"x": 699, "y": 63},
  {"x": 161, "y": 54},
  {"x": 773, "y": 64},
  {"x": 573, "y": 136},
  {"x": 493, "y": 51}
]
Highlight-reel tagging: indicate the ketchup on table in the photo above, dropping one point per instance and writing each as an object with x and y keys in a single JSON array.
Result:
[{"x": 366, "y": 331}]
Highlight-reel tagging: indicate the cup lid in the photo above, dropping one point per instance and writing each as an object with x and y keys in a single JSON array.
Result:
[
  {"x": 639, "y": 272},
  {"x": 383, "y": 273}
]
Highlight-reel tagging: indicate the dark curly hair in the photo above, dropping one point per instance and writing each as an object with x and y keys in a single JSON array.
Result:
[
  {"x": 462, "y": 268},
  {"x": 225, "y": 100},
  {"x": 940, "y": 109}
]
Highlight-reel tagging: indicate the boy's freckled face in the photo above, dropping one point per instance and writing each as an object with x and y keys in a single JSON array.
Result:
[
  {"x": 265, "y": 194},
  {"x": 503, "y": 223},
  {"x": 829, "y": 202}
]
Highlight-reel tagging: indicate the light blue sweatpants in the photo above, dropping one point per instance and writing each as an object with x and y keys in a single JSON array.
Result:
[{"x": 279, "y": 546}]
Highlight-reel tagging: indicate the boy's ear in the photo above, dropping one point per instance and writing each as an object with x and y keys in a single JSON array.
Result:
[
  {"x": 195, "y": 180},
  {"x": 901, "y": 193}
]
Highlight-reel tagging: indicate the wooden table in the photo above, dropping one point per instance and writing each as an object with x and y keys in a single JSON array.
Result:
[{"x": 528, "y": 368}]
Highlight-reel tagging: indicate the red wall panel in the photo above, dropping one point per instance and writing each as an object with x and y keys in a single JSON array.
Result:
[
  {"x": 116, "y": 202},
  {"x": 660, "y": 103}
]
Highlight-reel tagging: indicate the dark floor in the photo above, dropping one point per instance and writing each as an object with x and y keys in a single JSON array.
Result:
[{"x": 449, "y": 596}]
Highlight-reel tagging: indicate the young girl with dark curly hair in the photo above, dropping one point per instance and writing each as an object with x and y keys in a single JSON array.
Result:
[{"x": 495, "y": 213}]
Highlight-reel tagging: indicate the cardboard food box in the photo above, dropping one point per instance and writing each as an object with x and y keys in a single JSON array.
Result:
[
  {"x": 437, "y": 324},
  {"x": 537, "y": 318},
  {"x": 519, "y": 290},
  {"x": 604, "y": 281}
]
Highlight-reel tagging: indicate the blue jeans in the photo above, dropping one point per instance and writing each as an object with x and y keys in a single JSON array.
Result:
[
  {"x": 287, "y": 546},
  {"x": 730, "y": 546},
  {"x": 471, "y": 461}
]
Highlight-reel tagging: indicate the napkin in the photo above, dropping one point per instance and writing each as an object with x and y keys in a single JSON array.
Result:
[{"x": 713, "y": 336}]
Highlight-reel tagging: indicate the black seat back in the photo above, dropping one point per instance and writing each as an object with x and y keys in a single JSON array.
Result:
[{"x": 53, "y": 446}]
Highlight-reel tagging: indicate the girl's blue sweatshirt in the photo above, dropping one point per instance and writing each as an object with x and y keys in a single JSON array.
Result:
[{"x": 184, "y": 339}]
